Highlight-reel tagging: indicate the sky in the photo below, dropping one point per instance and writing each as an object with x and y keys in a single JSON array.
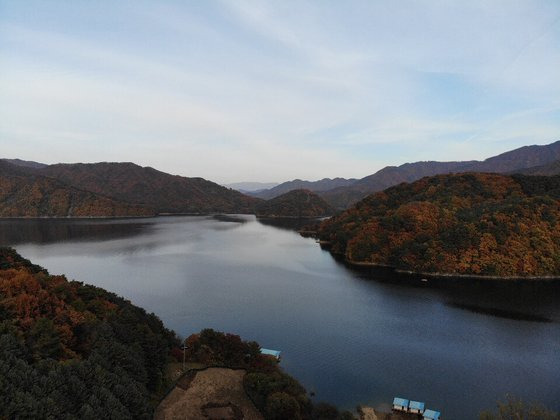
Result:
[{"x": 276, "y": 90}]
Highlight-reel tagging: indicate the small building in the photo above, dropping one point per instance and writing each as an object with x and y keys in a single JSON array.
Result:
[
  {"x": 416, "y": 407},
  {"x": 268, "y": 352},
  {"x": 400, "y": 404},
  {"x": 431, "y": 415}
]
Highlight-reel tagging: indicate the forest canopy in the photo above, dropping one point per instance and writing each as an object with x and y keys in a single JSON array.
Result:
[{"x": 71, "y": 350}]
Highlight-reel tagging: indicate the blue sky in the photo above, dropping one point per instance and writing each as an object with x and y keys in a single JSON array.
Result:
[{"x": 271, "y": 91}]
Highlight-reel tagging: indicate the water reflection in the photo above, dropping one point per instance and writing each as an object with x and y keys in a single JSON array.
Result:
[
  {"x": 18, "y": 231},
  {"x": 288, "y": 223},
  {"x": 503, "y": 313}
]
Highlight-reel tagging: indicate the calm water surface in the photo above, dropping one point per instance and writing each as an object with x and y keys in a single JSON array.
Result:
[{"x": 350, "y": 339}]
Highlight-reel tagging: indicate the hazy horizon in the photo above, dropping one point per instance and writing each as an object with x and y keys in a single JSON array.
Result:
[{"x": 252, "y": 91}]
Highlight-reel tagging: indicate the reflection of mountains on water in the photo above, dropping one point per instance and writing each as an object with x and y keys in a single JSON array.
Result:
[
  {"x": 537, "y": 301},
  {"x": 502, "y": 313},
  {"x": 13, "y": 232},
  {"x": 287, "y": 223},
  {"x": 230, "y": 218}
]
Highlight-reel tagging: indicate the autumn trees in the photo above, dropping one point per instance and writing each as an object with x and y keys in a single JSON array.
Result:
[
  {"x": 480, "y": 224},
  {"x": 70, "y": 350}
]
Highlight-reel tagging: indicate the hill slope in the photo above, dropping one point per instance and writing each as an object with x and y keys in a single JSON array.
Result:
[
  {"x": 296, "y": 203},
  {"x": 545, "y": 170},
  {"x": 23, "y": 194},
  {"x": 24, "y": 163},
  {"x": 151, "y": 188},
  {"x": 68, "y": 350},
  {"x": 523, "y": 157},
  {"x": 481, "y": 224},
  {"x": 343, "y": 197}
]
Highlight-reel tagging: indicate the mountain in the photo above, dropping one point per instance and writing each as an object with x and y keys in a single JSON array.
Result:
[
  {"x": 297, "y": 184},
  {"x": 296, "y": 203},
  {"x": 524, "y": 157},
  {"x": 69, "y": 350},
  {"x": 148, "y": 187},
  {"x": 25, "y": 194},
  {"x": 247, "y": 187},
  {"x": 545, "y": 170},
  {"x": 24, "y": 163},
  {"x": 470, "y": 223},
  {"x": 341, "y": 198}
]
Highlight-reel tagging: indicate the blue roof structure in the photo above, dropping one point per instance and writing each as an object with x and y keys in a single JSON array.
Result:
[
  {"x": 431, "y": 415},
  {"x": 268, "y": 352},
  {"x": 416, "y": 405},
  {"x": 400, "y": 401}
]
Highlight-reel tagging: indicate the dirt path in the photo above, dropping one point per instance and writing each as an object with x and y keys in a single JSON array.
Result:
[{"x": 213, "y": 393}]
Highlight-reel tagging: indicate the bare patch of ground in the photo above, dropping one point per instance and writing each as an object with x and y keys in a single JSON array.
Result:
[
  {"x": 368, "y": 413},
  {"x": 213, "y": 393}
]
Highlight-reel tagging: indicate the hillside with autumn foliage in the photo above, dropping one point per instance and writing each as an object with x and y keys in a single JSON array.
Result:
[
  {"x": 24, "y": 194},
  {"x": 110, "y": 190},
  {"x": 296, "y": 203},
  {"x": 150, "y": 188},
  {"x": 471, "y": 224},
  {"x": 70, "y": 350}
]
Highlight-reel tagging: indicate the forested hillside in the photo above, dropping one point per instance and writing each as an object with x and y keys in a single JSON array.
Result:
[
  {"x": 24, "y": 194},
  {"x": 480, "y": 224},
  {"x": 69, "y": 350},
  {"x": 151, "y": 188},
  {"x": 297, "y": 203}
]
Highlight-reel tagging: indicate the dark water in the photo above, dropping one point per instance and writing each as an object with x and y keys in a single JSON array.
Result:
[{"x": 350, "y": 339}]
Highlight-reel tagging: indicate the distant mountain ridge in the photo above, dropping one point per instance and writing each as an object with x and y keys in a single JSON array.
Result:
[
  {"x": 25, "y": 163},
  {"x": 109, "y": 188},
  {"x": 346, "y": 194},
  {"x": 521, "y": 158},
  {"x": 545, "y": 170},
  {"x": 247, "y": 187},
  {"x": 324, "y": 184}
]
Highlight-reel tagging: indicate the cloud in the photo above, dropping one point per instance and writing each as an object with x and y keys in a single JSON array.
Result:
[{"x": 258, "y": 90}]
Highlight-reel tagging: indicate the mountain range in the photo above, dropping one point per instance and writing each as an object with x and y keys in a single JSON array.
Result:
[
  {"x": 350, "y": 191},
  {"x": 324, "y": 184},
  {"x": 109, "y": 189}
]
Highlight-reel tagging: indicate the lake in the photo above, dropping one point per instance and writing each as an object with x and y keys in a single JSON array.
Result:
[{"x": 350, "y": 338}]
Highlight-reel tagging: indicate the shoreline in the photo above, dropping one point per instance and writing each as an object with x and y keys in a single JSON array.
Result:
[
  {"x": 426, "y": 276},
  {"x": 115, "y": 217},
  {"x": 291, "y": 217}
]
